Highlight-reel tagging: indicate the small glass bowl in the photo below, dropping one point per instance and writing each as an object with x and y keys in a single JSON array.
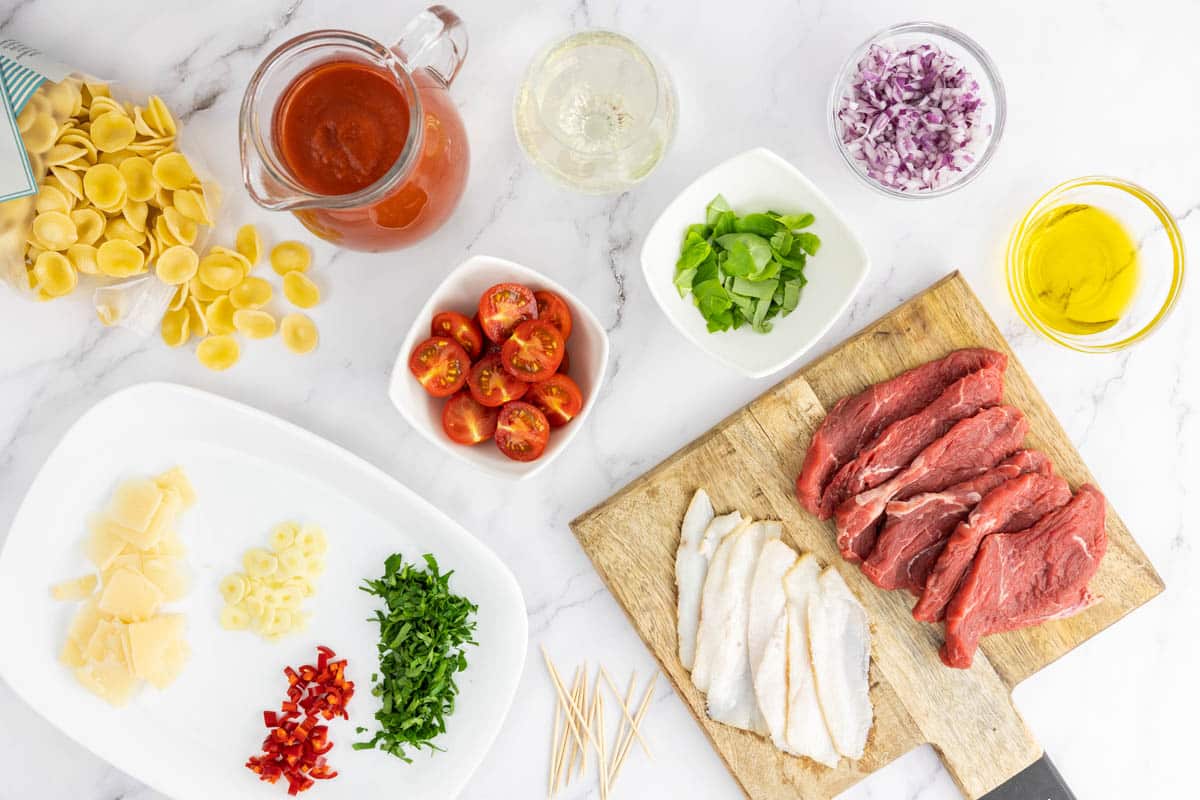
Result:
[
  {"x": 969, "y": 54},
  {"x": 1160, "y": 251}
]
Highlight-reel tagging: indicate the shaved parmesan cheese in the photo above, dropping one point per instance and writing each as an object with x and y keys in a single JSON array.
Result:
[
  {"x": 76, "y": 589},
  {"x": 130, "y": 597},
  {"x": 149, "y": 642},
  {"x": 109, "y": 680},
  {"x": 174, "y": 660},
  {"x": 166, "y": 574},
  {"x": 169, "y": 544},
  {"x": 71, "y": 655},
  {"x": 175, "y": 478},
  {"x": 84, "y": 624},
  {"x": 118, "y": 638},
  {"x": 161, "y": 521},
  {"x": 134, "y": 503},
  {"x": 103, "y": 545},
  {"x": 105, "y": 641},
  {"x": 130, "y": 561}
]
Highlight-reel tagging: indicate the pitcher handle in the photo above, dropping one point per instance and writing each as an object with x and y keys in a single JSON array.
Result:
[{"x": 435, "y": 39}]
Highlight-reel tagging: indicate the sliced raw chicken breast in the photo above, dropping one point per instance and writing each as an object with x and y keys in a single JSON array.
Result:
[
  {"x": 717, "y": 530},
  {"x": 771, "y": 682},
  {"x": 840, "y": 645},
  {"x": 767, "y": 598},
  {"x": 691, "y": 565},
  {"x": 708, "y": 634},
  {"x": 805, "y": 733},
  {"x": 768, "y": 622},
  {"x": 731, "y": 697}
]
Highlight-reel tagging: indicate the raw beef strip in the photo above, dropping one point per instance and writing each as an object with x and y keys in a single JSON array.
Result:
[
  {"x": 1011, "y": 506},
  {"x": 900, "y": 442},
  {"x": 857, "y": 419},
  {"x": 915, "y": 530},
  {"x": 969, "y": 449},
  {"x": 1024, "y": 578}
]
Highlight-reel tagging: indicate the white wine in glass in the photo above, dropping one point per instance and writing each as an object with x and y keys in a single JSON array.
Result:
[{"x": 595, "y": 112}]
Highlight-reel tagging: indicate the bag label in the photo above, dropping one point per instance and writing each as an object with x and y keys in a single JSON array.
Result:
[
  {"x": 22, "y": 70},
  {"x": 16, "y": 176}
]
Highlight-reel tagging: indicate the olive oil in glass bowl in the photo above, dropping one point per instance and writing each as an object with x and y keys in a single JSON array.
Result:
[{"x": 1096, "y": 264}]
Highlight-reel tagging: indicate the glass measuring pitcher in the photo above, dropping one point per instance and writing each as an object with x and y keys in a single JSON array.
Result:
[{"x": 359, "y": 140}]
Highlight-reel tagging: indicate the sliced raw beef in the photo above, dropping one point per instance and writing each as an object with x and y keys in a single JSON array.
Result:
[
  {"x": 915, "y": 530},
  {"x": 899, "y": 443},
  {"x": 1011, "y": 506},
  {"x": 969, "y": 449},
  {"x": 856, "y": 420},
  {"x": 1024, "y": 578}
]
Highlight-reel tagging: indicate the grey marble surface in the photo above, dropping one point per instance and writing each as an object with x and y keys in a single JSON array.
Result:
[{"x": 1093, "y": 86}]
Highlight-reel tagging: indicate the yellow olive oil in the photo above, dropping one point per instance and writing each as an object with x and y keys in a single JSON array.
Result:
[{"x": 1078, "y": 269}]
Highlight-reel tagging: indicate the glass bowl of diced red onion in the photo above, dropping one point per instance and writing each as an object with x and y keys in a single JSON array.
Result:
[{"x": 917, "y": 110}]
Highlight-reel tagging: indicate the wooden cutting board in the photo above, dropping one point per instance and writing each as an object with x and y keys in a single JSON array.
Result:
[{"x": 749, "y": 462}]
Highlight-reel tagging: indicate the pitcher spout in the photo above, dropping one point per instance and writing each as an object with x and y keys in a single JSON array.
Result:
[{"x": 262, "y": 185}]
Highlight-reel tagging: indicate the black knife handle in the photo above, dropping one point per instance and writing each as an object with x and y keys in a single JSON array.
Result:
[{"x": 1039, "y": 781}]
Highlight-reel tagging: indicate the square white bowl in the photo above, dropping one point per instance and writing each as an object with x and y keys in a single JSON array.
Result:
[
  {"x": 460, "y": 291},
  {"x": 758, "y": 180}
]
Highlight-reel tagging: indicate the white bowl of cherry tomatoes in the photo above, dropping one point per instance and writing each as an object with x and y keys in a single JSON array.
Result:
[{"x": 500, "y": 367}]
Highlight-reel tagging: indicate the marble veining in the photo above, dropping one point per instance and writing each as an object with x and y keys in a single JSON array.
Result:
[{"x": 1093, "y": 87}]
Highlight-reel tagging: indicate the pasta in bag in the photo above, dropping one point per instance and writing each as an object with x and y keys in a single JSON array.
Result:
[{"x": 108, "y": 193}]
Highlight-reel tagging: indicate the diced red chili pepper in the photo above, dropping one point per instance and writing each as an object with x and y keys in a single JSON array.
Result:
[{"x": 295, "y": 748}]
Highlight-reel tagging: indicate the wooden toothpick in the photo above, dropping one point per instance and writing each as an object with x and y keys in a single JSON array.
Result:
[{"x": 625, "y": 706}]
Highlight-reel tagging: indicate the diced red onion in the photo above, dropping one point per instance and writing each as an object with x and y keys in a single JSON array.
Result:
[{"x": 913, "y": 117}]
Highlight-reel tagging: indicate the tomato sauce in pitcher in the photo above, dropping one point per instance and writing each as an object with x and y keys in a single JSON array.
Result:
[
  {"x": 359, "y": 140},
  {"x": 340, "y": 126}
]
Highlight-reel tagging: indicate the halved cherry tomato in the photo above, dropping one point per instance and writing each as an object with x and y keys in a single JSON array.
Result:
[
  {"x": 533, "y": 352},
  {"x": 522, "y": 431},
  {"x": 440, "y": 365},
  {"x": 554, "y": 310},
  {"x": 558, "y": 397},
  {"x": 460, "y": 328},
  {"x": 491, "y": 385},
  {"x": 504, "y": 307},
  {"x": 565, "y": 366},
  {"x": 489, "y": 346},
  {"x": 466, "y": 421}
]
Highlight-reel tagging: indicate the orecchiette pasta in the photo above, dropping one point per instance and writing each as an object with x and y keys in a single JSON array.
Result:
[
  {"x": 116, "y": 200},
  {"x": 288, "y": 256}
]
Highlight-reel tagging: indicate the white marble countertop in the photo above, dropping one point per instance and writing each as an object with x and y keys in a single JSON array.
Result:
[{"x": 1094, "y": 87}]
